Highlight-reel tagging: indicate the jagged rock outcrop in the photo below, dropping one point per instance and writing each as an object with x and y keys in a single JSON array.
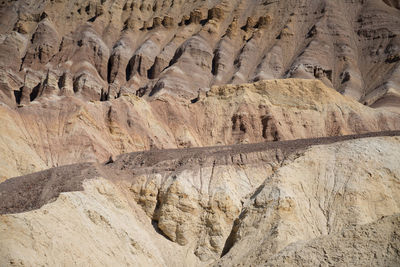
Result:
[
  {"x": 176, "y": 47},
  {"x": 273, "y": 203}
]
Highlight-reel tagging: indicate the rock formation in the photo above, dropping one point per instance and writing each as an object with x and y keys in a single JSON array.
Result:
[
  {"x": 199, "y": 133},
  {"x": 281, "y": 203},
  {"x": 175, "y": 47},
  {"x": 55, "y": 132}
]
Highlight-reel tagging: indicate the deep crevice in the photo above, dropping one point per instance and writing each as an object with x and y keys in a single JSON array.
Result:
[
  {"x": 215, "y": 61},
  {"x": 62, "y": 81},
  {"x": 177, "y": 55},
  {"x": 157, "y": 88},
  {"x": 230, "y": 241},
  {"x": 18, "y": 95},
  {"x": 194, "y": 100},
  {"x": 35, "y": 92},
  {"x": 104, "y": 96},
  {"x": 129, "y": 68},
  {"x": 151, "y": 73},
  {"x": 109, "y": 66}
]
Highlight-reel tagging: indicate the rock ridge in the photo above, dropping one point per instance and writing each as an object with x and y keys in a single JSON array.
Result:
[{"x": 264, "y": 210}]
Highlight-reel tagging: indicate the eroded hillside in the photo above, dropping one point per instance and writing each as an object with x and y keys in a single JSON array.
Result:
[
  {"x": 199, "y": 133},
  {"x": 55, "y": 132},
  {"x": 101, "y": 49},
  {"x": 324, "y": 201}
]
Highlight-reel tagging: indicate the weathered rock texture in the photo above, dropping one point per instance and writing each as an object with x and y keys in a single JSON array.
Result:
[
  {"x": 87, "y": 80},
  {"x": 100, "y": 49},
  {"x": 60, "y": 131},
  {"x": 309, "y": 198},
  {"x": 283, "y": 203}
]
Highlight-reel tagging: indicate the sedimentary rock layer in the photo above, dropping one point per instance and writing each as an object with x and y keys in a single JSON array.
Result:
[
  {"x": 65, "y": 130},
  {"x": 280, "y": 203},
  {"x": 100, "y": 49},
  {"x": 165, "y": 135}
]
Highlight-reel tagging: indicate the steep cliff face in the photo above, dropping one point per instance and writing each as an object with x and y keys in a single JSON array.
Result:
[
  {"x": 59, "y": 131},
  {"x": 100, "y": 49},
  {"x": 290, "y": 203}
]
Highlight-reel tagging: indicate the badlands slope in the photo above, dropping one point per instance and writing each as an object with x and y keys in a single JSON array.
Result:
[
  {"x": 317, "y": 201},
  {"x": 100, "y": 49},
  {"x": 58, "y": 131},
  {"x": 199, "y": 133}
]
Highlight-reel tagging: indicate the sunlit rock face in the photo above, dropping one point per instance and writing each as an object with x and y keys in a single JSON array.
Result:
[
  {"x": 106, "y": 48},
  {"x": 253, "y": 204},
  {"x": 58, "y": 131},
  {"x": 199, "y": 133}
]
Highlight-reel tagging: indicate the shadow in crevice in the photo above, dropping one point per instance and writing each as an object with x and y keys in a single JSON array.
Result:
[
  {"x": 158, "y": 230},
  {"x": 35, "y": 92},
  {"x": 18, "y": 95},
  {"x": 230, "y": 241}
]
